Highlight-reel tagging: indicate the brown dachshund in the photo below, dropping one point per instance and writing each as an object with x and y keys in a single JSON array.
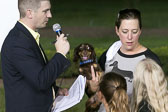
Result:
[
  {"x": 93, "y": 104},
  {"x": 86, "y": 55}
]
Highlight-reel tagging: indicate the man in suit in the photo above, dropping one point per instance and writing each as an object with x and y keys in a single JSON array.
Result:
[{"x": 28, "y": 76}]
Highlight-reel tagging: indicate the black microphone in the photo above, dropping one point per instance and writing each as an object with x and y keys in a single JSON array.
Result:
[{"x": 58, "y": 31}]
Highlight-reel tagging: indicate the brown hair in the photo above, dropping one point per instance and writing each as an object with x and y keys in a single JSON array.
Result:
[
  {"x": 128, "y": 14},
  {"x": 23, "y": 5},
  {"x": 113, "y": 87}
]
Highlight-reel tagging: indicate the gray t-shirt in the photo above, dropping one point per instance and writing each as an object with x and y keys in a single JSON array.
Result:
[{"x": 124, "y": 65}]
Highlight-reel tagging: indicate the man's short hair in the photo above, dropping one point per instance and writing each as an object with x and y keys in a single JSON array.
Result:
[{"x": 23, "y": 5}]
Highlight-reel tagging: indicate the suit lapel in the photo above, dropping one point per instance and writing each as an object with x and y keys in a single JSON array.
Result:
[{"x": 34, "y": 43}]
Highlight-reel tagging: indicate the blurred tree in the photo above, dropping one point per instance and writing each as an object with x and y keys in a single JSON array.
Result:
[{"x": 132, "y": 3}]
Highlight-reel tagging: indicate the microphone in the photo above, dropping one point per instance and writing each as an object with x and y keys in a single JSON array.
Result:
[{"x": 58, "y": 31}]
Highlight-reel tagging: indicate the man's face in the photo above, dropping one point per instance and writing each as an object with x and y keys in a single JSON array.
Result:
[{"x": 42, "y": 15}]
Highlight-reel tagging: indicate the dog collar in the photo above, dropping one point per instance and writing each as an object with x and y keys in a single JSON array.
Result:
[{"x": 85, "y": 62}]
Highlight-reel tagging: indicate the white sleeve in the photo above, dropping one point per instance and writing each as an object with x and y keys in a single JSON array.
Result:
[{"x": 113, "y": 50}]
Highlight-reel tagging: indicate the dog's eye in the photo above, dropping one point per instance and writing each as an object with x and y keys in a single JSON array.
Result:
[{"x": 81, "y": 48}]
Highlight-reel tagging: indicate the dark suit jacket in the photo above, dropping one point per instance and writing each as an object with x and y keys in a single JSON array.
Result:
[{"x": 27, "y": 78}]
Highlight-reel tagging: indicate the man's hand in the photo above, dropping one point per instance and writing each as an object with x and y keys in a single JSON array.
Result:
[
  {"x": 62, "y": 92},
  {"x": 62, "y": 45}
]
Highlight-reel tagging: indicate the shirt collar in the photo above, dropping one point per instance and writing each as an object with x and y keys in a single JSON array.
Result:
[{"x": 36, "y": 35}]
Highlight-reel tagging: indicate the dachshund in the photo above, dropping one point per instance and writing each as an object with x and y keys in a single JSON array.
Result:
[
  {"x": 86, "y": 55},
  {"x": 93, "y": 104}
]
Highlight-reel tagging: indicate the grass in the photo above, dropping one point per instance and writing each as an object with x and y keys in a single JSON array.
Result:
[
  {"x": 105, "y": 42},
  {"x": 80, "y": 107},
  {"x": 102, "y": 43},
  {"x": 153, "y": 41},
  {"x": 2, "y": 100}
]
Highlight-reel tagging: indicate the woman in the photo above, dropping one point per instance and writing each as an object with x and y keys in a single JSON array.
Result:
[
  {"x": 123, "y": 55},
  {"x": 150, "y": 88}
]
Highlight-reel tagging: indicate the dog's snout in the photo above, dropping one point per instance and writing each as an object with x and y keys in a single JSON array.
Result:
[{"x": 84, "y": 52}]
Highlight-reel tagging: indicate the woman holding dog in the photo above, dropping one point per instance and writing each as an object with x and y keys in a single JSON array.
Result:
[{"x": 123, "y": 56}]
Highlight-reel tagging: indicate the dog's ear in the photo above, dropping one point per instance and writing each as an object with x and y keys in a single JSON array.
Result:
[
  {"x": 93, "y": 54},
  {"x": 76, "y": 55}
]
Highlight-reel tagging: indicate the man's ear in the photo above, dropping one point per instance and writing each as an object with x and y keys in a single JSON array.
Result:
[
  {"x": 29, "y": 13},
  {"x": 117, "y": 30}
]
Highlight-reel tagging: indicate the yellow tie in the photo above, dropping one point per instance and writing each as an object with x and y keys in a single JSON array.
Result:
[
  {"x": 38, "y": 42},
  {"x": 37, "y": 38}
]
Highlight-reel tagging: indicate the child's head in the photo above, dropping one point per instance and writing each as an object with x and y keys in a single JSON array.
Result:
[
  {"x": 112, "y": 91},
  {"x": 150, "y": 84}
]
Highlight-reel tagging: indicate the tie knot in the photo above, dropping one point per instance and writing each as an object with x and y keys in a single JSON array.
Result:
[{"x": 37, "y": 38}]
